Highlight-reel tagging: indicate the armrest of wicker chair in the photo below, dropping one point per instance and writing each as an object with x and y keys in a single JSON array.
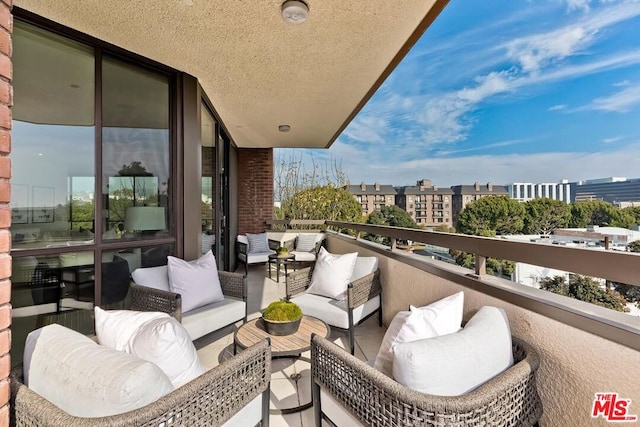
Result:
[
  {"x": 233, "y": 284},
  {"x": 211, "y": 399},
  {"x": 363, "y": 289},
  {"x": 298, "y": 281},
  {"x": 145, "y": 298},
  {"x": 510, "y": 398}
]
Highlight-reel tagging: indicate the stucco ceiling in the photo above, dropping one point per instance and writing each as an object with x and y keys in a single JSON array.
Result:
[{"x": 258, "y": 70}]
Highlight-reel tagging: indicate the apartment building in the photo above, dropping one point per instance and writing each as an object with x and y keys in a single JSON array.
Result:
[
  {"x": 525, "y": 191},
  {"x": 372, "y": 197},
  {"x": 428, "y": 205},
  {"x": 464, "y": 194}
]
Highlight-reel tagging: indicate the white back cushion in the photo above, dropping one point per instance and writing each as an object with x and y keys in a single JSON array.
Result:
[
  {"x": 258, "y": 243},
  {"x": 363, "y": 266},
  {"x": 114, "y": 328},
  {"x": 438, "y": 318},
  {"x": 307, "y": 242},
  {"x": 332, "y": 274},
  {"x": 455, "y": 364},
  {"x": 86, "y": 379},
  {"x": 196, "y": 281},
  {"x": 153, "y": 277},
  {"x": 243, "y": 239},
  {"x": 165, "y": 342}
]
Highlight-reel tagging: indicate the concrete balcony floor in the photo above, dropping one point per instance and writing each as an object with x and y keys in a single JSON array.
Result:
[{"x": 285, "y": 392}]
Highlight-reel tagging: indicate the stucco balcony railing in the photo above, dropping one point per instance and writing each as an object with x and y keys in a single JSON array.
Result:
[{"x": 585, "y": 349}]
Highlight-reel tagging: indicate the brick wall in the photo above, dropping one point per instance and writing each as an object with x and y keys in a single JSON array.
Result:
[
  {"x": 6, "y": 99},
  {"x": 255, "y": 189}
]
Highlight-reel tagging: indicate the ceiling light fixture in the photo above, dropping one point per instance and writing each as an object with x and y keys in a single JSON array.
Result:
[
  {"x": 284, "y": 128},
  {"x": 295, "y": 11}
]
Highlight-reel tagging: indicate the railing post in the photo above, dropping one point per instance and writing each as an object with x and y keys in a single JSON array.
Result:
[
  {"x": 481, "y": 265},
  {"x": 394, "y": 242}
]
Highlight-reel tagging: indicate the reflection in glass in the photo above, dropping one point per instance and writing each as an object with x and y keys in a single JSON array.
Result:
[
  {"x": 208, "y": 196},
  {"x": 135, "y": 144},
  {"x": 53, "y": 115}
]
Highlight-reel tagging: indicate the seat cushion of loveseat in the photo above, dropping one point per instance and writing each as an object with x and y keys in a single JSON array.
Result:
[{"x": 202, "y": 320}]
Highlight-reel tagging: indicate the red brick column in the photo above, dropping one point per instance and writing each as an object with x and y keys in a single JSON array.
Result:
[
  {"x": 255, "y": 189},
  {"x": 6, "y": 100}
]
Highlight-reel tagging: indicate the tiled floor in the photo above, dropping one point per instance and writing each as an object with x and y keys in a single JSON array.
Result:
[{"x": 285, "y": 392}]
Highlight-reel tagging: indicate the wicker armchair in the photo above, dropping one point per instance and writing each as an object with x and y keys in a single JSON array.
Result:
[
  {"x": 364, "y": 298},
  {"x": 234, "y": 285},
  {"x": 342, "y": 383},
  {"x": 212, "y": 399}
]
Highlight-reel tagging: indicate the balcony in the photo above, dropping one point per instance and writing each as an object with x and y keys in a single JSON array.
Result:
[{"x": 584, "y": 349}]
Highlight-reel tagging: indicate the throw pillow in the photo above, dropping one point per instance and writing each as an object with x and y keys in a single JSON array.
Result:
[
  {"x": 153, "y": 277},
  {"x": 196, "y": 281},
  {"x": 455, "y": 364},
  {"x": 258, "y": 243},
  {"x": 306, "y": 242},
  {"x": 332, "y": 274},
  {"x": 114, "y": 328},
  {"x": 438, "y": 318},
  {"x": 165, "y": 342},
  {"x": 86, "y": 379}
]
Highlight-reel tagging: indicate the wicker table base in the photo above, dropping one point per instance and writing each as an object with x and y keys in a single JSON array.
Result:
[{"x": 283, "y": 346}]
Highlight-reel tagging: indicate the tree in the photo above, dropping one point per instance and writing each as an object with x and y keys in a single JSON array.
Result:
[
  {"x": 393, "y": 216},
  {"x": 296, "y": 173},
  {"x": 323, "y": 202},
  {"x": 492, "y": 215},
  {"x": 634, "y": 211},
  {"x": 586, "y": 289},
  {"x": 599, "y": 212},
  {"x": 543, "y": 216}
]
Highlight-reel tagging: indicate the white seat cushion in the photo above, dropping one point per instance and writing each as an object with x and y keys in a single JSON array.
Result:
[
  {"x": 334, "y": 312},
  {"x": 196, "y": 281},
  {"x": 86, "y": 379},
  {"x": 331, "y": 274},
  {"x": 202, "y": 320},
  {"x": 455, "y": 364},
  {"x": 438, "y": 318},
  {"x": 152, "y": 277},
  {"x": 304, "y": 256},
  {"x": 257, "y": 257}
]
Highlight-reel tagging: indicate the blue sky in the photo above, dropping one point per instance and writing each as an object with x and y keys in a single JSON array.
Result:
[{"x": 505, "y": 91}]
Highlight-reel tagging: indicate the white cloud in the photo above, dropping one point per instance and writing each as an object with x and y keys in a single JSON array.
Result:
[
  {"x": 557, "y": 107},
  {"x": 621, "y": 102},
  {"x": 578, "y": 5},
  {"x": 612, "y": 139},
  {"x": 500, "y": 169}
]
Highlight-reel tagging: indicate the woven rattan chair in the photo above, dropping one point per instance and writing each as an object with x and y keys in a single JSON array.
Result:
[
  {"x": 364, "y": 298},
  {"x": 212, "y": 399},
  {"x": 342, "y": 383},
  {"x": 202, "y": 320}
]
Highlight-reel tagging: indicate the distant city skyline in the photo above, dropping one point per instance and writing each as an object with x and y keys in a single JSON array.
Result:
[{"x": 505, "y": 91}]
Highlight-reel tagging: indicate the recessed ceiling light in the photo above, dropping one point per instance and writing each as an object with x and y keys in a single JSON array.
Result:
[
  {"x": 295, "y": 11},
  {"x": 284, "y": 128}
]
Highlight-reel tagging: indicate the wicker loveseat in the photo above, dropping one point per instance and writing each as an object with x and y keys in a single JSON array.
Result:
[
  {"x": 234, "y": 393},
  {"x": 348, "y": 391},
  {"x": 154, "y": 295}
]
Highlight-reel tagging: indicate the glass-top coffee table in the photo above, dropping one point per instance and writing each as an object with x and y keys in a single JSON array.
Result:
[{"x": 283, "y": 346}]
